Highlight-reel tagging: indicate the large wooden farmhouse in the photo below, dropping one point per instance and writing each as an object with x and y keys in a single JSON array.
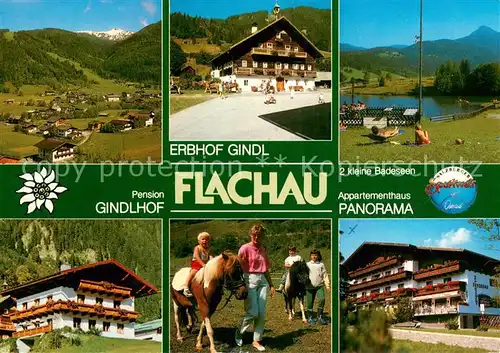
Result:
[{"x": 279, "y": 53}]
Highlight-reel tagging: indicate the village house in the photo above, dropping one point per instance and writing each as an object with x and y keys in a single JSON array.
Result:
[
  {"x": 188, "y": 70},
  {"x": 54, "y": 120},
  {"x": 122, "y": 125},
  {"x": 9, "y": 101},
  {"x": 63, "y": 130},
  {"x": 44, "y": 129},
  {"x": 50, "y": 93},
  {"x": 100, "y": 295},
  {"x": 7, "y": 328},
  {"x": 443, "y": 283},
  {"x": 141, "y": 119},
  {"x": 9, "y": 160},
  {"x": 113, "y": 98},
  {"x": 29, "y": 128},
  {"x": 14, "y": 119},
  {"x": 54, "y": 150},
  {"x": 95, "y": 126},
  {"x": 279, "y": 53},
  {"x": 149, "y": 331}
]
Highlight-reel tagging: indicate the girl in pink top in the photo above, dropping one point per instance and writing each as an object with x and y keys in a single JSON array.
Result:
[{"x": 256, "y": 267}]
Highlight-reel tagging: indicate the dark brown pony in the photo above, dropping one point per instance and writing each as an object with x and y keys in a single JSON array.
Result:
[{"x": 222, "y": 272}]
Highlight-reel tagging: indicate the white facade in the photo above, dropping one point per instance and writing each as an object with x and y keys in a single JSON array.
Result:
[
  {"x": 115, "y": 329},
  {"x": 152, "y": 335},
  {"x": 56, "y": 155},
  {"x": 246, "y": 82}
]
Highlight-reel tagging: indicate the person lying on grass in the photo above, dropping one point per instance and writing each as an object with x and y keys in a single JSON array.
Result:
[
  {"x": 384, "y": 133},
  {"x": 421, "y": 136}
]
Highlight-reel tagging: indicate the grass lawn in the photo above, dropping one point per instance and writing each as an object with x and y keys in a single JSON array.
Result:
[
  {"x": 313, "y": 122},
  {"x": 396, "y": 86},
  {"x": 489, "y": 333},
  {"x": 481, "y": 135},
  {"x": 94, "y": 344},
  {"x": 16, "y": 144},
  {"x": 188, "y": 99},
  {"x": 136, "y": 145},
  {"x": 402, "y": 346}
]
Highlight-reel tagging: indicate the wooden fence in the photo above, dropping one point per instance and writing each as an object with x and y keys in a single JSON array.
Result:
[
  {"x": 459, "y": 116},
  {"x": 394, "y": 116}
]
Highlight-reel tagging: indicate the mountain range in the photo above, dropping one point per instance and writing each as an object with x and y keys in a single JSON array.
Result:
[
  {"x": 54, "y": 56},
  {"x": 114, "y": 34},
  {"x": 479, "y": 47}
]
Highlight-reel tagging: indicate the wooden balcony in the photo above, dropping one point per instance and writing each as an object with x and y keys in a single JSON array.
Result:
[
  {"x": 276, "y": 52},
  {"x": 273, "y": 72},
  {"x": 441, "y": 288},
  {"x": 7, "y": 325},
  {"x": 51, "y": 307},
  {"x": 374, "y": 266},
  {"x": 437, "y": 270},
  {"x": 33, "y": 332},
  {"x": 400, "y": 292},
  {"x": 379, "y": 281},
  {"x": 104, "y": 288}
]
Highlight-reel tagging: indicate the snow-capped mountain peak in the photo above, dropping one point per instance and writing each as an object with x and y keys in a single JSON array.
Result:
[{"x": 113, "y": 34}]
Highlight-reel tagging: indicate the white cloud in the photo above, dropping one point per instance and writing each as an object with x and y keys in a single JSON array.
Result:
[
  {"x": 150, "y": 7},
  {"x": 428, "y": 241},
  {"x": 144, "y": 21},
  {"x": 454, "y": 238},
  {"x": 88, "y": 7}
]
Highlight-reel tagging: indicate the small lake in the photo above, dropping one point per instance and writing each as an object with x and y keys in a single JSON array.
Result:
[{"x": 432, "y": 106}]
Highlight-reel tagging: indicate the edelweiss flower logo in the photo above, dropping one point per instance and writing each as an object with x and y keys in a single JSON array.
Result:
[{"x": 40, "y": 190}]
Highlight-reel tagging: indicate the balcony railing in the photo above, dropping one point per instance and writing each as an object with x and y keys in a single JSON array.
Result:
[
  {"x": 7, "y": 326},
  {"x": 391, "y": 261},
  {"x": 70, "y": 306},
  {"x": 33, "y": 332},
  {"x": 436, "y": 310},
  {"x": 276, "y": 52},
  {"x": 104, "y": 288},
  {"x": 441, "y": 288},
  {"x": 400, "y": 292},
  {"x": 438, "y": 270},
  {"x": 379, "y": 281},
  {"x": 273, "y": 72}
]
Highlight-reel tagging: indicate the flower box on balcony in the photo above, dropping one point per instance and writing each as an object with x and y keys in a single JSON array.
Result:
[{"x": 258, "y": 72}]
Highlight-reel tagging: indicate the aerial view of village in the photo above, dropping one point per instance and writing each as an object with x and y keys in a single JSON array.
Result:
[
  {"x": 251, "y": 71},
  {"x": 422, "y": 86},
  {"x": 81, "y": 83}
]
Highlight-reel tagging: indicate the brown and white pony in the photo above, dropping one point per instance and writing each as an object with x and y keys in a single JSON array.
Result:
[{"x": 222, "y": 272}]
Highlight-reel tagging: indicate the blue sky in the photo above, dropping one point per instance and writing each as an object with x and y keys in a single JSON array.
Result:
[
  {"x": 73, "y": 15},
  {"x": 372, "y": 23},
  {"x": 454, "y": 233},
  {"x": 226, "y": 8}
]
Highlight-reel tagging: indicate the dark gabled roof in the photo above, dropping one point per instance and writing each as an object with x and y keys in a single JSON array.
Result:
[
  {"x": 109, "y": 270},
  {"x": 282, "y": 24},
  {"x": 52, "y": 144},
  {"x": 369, "y": 251},
  {"x": 120, "y": 122},
  {"x": 53, "y": 119}
]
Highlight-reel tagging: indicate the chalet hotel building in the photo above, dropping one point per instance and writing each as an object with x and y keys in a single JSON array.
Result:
[
  {"x": 442, "y": 282},
  {"x": 279, "y": 53},
  {"x": 99, "y": 295}
]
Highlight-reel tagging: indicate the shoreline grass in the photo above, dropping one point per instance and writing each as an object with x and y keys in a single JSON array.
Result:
[{"x": 490, "y": 333}]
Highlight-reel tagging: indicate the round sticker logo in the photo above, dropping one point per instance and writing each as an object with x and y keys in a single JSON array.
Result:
[{"x": 452, "y": 190}]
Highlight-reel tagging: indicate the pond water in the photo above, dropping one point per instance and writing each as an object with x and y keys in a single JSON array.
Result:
[{"x": 432, "y": 106}]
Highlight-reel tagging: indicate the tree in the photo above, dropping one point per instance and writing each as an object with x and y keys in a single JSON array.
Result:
[
  {"x": 404, "y": 310},
  {"x": 177, "y": 58},
  {"x": 381, "y": 81},
  {"x": 366, "y": 78},
  {"x": 343, "y": 279}
]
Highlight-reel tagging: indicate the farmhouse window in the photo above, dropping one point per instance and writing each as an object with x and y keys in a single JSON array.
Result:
[
  {"x": 116, "y": 304},
  {"x": 278, "y": 65},
  {"x": 37, "y": 302},
  {"x": 401, "y": 285},
  {"x": 288, "y": 47},
  {"x": 92, "y": 324},
  {"x": 243, "y": 63},
  {"x": 285, "y": 66},
  {"x": 387, "y": 273},
  {"x": 401, "y": 269},
  {"x": 77, "y": 322},
  {"x": 387, "y": 289},
  {"x": 49, "y": 322},
  {"x": 278, "y": 35},
  {"x": 447, "y": 279},
  {"x": 295, "y": 66},
  {"x": 49, "y": 297},
  {"x": 37, "y": 324},
  {"x": 296, "y": 49},
  {"x": 428, "y": 283},
  {"x": 105, "y": 326},
  {"x": 309, "y": 67},
  {"x": 98, "y": 301},
  {"x": 264, "y": 65},
  {"x": 302, "y": 66},
  {"x": 245, "y": 82},
  {"x": 270, "y": 45},
  {"x": 120, "y": 328},
  {"x": 376, "y": 276},
  {"x": 81, "y": 299},
  {"x": 25, "y": 306},
  {"x": 255, "y": 64},
  {"x": 363, "y": 294}
]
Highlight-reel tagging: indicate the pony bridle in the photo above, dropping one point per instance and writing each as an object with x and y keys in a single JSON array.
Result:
[{"x": 232, "y": 285}]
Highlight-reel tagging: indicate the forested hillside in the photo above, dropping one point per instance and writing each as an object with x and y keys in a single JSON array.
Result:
[
  {"x": 36, "y": 248},
  {"x": 316, "y": 23},
  {"x": 230, "y": 235},
  {"x": 27, "y": 57}
]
